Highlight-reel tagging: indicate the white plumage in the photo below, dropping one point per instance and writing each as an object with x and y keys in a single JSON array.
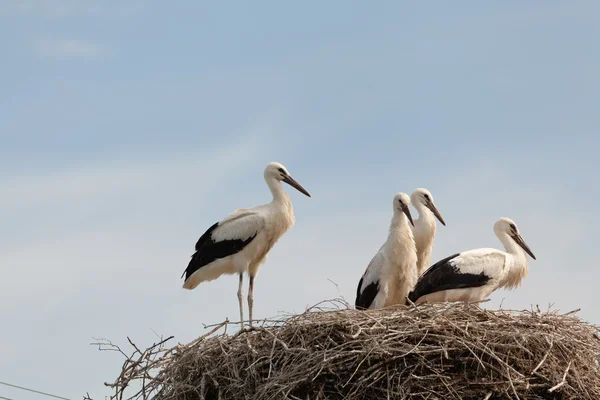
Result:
[
  {"x": 239, "y": 243},
  {"x": 425, "y": 226},
  {"x": 473, "y": 275},
  {"x": 392, "y": 273}
]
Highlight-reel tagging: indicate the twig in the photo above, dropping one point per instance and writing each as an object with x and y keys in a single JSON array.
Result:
[
  {"x": 551, "y": 342},
  {"x": 564, "y": 380}
]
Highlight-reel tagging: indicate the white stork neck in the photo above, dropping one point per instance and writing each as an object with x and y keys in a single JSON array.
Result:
[
  {"x": 511, "y": 246},
  {"x": 424, "y": 232},
  {"x": 279, "y": 194},
  {"x": 421, "y": 208},
  {"x": 425, "y": 214},
  {"x": 399, "y": 224},
  {"x": 517, "y": 266}
]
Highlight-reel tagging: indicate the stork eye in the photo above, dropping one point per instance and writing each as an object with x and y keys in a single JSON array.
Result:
[
  {"x": 427, "y": 197},
  {"x": 281, "y": 170}
]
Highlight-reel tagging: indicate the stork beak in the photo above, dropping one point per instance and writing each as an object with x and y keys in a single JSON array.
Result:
[
  {"x": 293, "y": 183},
  {"x": 435, "y": 212},
  {"x": 517, "y": 238},
  {"x": 406, "y": 211}
]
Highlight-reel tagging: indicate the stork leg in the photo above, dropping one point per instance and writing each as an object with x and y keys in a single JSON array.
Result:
[
  {"x": 240, "y": 300},
  {"x": 251, "y": 298}
]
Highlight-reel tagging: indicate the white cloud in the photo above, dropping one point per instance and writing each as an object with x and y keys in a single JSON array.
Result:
[
  {"x": 68, "y": 48},
  {"x": 125, "y": 188}
]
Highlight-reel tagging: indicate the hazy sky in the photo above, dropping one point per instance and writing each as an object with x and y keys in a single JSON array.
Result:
[{"x": 129, "y": 127}]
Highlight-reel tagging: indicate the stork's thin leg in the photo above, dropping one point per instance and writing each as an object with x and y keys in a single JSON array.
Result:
[
  {"x": 251, "y": 298},
  {"x": 240, "y": 301}
]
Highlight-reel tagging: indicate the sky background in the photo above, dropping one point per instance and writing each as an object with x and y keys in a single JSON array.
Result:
[{"x": 129, "y": 127}]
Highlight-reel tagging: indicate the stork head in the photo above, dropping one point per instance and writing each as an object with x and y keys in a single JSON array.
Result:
[
  {"x": 278, "y": 172},
  {"x": 507, "y": 226},
  {"x": 402, "y": 205},
  {"x": 423, "y": 197}
]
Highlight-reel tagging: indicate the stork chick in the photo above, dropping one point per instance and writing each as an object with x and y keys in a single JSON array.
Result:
[
  {"x": 425, "y": 226},
  {"x": 473, "y": 275},
  {"x": 392, "y": 273}
]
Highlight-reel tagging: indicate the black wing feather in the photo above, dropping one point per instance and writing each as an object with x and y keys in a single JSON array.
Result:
[
  {"x": 205, "y": 236},
  {"x": 207, "y": 250},
  {"x": 366, "y": 297},
  {"x": 358, "y": 290},
  {"x": 445, "y": 276}
]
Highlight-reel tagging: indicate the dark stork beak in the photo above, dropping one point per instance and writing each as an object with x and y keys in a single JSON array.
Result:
[
  {"x": 435, "y": 212},
  {"x": 293, "y": 183},
  {"x": 517, "y": 238},
  {"x": 406, "y": 211}
]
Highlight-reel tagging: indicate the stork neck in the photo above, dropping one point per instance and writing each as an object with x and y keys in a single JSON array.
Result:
[
  {"x": 399, "y": 223},
  {"x": 279, "y": 194},
  {"x": 425, "y": 214},
  {"x": 512, "y": 247},
  {"x": 516, "y": 261}
]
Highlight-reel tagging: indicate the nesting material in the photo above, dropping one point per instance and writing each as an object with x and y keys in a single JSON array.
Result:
[{"x": 449, "y": 351}]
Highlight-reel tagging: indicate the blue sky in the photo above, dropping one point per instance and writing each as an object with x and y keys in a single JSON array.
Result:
[{"x": 127, "y": 128}]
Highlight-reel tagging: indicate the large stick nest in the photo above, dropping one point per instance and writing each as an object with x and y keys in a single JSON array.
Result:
[{"x": 447, "y": 351}]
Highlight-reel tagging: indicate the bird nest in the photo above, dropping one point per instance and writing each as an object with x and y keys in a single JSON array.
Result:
[{"x": 443, "y": 351}]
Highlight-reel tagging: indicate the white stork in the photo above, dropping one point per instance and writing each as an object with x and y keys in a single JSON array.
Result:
[
  {"x": 424, "y": 230},
  {"x": 473, "y": 275},
  {"x": 239, "y": 243},
  {"x": 392, "y": 273}
]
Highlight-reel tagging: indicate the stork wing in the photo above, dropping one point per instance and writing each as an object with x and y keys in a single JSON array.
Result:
[
  {"x": 239, "y": 226},
  {"x": 224, "y": 239},
  {"x": 462, "y": 270},
  {"x": 368, "y": 287},
  {"x": 490, "y": 262}
]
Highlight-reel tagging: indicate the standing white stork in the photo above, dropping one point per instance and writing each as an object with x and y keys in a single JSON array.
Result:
[
  {"x": 473, "y": 275},
  {"x": 424, "y": 230},
  {"x": 239, "y": 243},
  {"x": 392, "y": 273}
]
